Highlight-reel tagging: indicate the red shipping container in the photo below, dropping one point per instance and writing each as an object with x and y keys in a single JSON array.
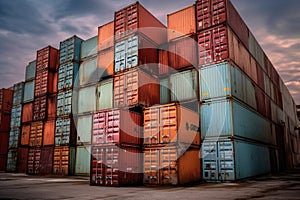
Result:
[
  {"x": 4, "y": 143},
  {"x": 112, "y": 165},
  {"x": 40, "y": 108},
  {"x": 163, "y": 66},
  {"x": 6, "y": 100},
  {"x": 117, "y": 126},
  {"x": 3, "y": 161},
  {"x": 106, "y": 36},
  {"x": 260, "y": 101},
  {"x": 46, "y": 160},
  {"x": 47, "y": 59},
  {"x": 48, "y": 134},
  {"x": 25, "y": 134},
  {"x": 135, "y": 16},
  {"x": 33, "y": 161},
  {"x": 45, "y": 83},
  {"x": 5, "y": 121},
  {"x": 27, "y": 112},
  {"x": 22, "y": 159},
  {"x": 203, "y": 14},
  {"x": 135, "y": 87},
  {"x": 51, "y": 107}
]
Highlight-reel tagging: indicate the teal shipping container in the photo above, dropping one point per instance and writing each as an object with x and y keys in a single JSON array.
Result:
[
  {"x": 227, "y": 160},
  {"x": 28, "y": 91},
  {"x": 14, "y": 136},
  {"x": 12, "y": 157},
  {"x": 16, "y": 113},
  {"x": 226, "y": 80},
  {"x": 83, "y": 160},
  {"x": 84, "y": 129},
  {"x": 104, "y": 92},
  {"x": 65, "y": 132},
  {"x": 70, "y": 50},
  {"x": 18, "y": 93},
  {"x": 227, "y": 118},
  {"x": 64, "y": 103},
  {"x": 89, "y": 48},
  {"x": 30, "y": 71},
  {"x": 67, "y": 74}
]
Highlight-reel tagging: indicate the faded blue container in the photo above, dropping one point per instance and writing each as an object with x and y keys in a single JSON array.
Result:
[
  {"x": 104, "y": 92},
  {"x": 87, "y": 100},
  {"x": 164, "y": 91},
  {"x": 83, "y": 160},
  {"x": 18, "y": 93},
  {"x": 67, "y": 74},
  {"x": 16, "y": 114},
  {"x": 70, "y": 50},
  {"x": 227, "y": 160},
  {"x": 12, "y": 157},
  {"x": 64, "y": 103},
  {"x": 29, "y": 91},
  {"x": 227, "y": 118},
  {"x": 63, "y": 131},
  {"x": 14, "y": 136},
  {"x": 30, "y": 71},
  {"x": 256, "y": 51},
  {"x": 88, "y": 72},
  {"x": 84, "y": 129},
  {"x": 89, "y": 48}
]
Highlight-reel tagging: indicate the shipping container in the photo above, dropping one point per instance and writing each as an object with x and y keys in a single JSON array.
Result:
[
  {"x": 106, "y": 35},
  {"x": 135, "y": 87},
  {"x": 170, "y": 165},
  {"x": 84, "y": 129},
  {"x": 5, "y": 120},
  {"x": 227, "y": 118},
  {"x": 184, "y": 86},
  {"x": 64, "y": 103},
  {"x": 12, "y": 157},
  {"x": 163, "y": 60},
  {"x": 16, "y": 114},
  {"x": 135, "y": 18},
  {"x": 22, "y": 159},
  {"x": 6, "y": 100},
  {"x": 48, "y": 133},
  {"x": 29, "y": 91},
  {"x": 67, "y": 74},
  {"x": 165, "y": 91},
  {"x": 3, "y": 162},
  {"x": 4, "y": 138},
  {"x": 18, "y": 93},
  {"x": 87, "y": 99},
  {"x": 89, "y": 48},
  {"x": 30, "y": 71},
  {"x": 47, "y": 60},
  {"x": 36, "y": 134},
  {"x": 46, "y": 160},
  {"x": 27, "y": 112},
  {"x": 106, "y": 59},
  {"x": 65, "y": 131},
  {"x": 112, "y": 165},
  {"x": 88, "y": 74},
  {"x": 136, "y": 50},
  {"x": 256, "y": 51},
  {"x": 14, "y": 136},
  {"x": 117, "y": 126},
  {"x": 64, "y": 161},
  {"x": 104, "y": 92},
  {"x": 25, "y": 134},
  {"x": 171, "y": 123},
  {"x": 44, "y": 108},
  {"x": 45, "y": 83},
  {"x": 260, "y": 101},
  {"x": 182, "y": 22},
  {"x": 210, "y": 13},
  {"x": 226, "y": 160},
  {"x": 69, "y": 50},
  {"x": 83, "y": 160},
  {"x": 34, "y": 161}
]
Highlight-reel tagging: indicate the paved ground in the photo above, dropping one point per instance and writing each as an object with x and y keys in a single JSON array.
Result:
[{"x": 15, "y": 186}]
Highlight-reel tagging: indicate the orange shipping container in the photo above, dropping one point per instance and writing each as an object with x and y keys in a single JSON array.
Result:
[
  {"x": 171, "y": 166},
  {"x": 171, "y": 123},
  {"x": 106, "y": 62},
  {"x": 182, "y": 22},
  {"x": 135, "y": 87},
  {"x": 64, "y": 160},
  {"x": 25, "y": 134},
  {"x": 27, "y": 112},
  {"x": 36, "y": 134},
  {"x": 48, "y": 136},
  {"x": 106, "y": 36}
]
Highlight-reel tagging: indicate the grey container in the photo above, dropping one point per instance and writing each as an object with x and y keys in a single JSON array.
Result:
[
  {"x": 67, "y": 74},
  {"x": 87, "y": 100},
  {"x": 84, "y": 129},
  {"x": 89, "y": 48},
  {"x": 16, "y": 114},
  {"x": 70, "y": 50},
  {"x": 164, "y": 91},
  {"x": 18, "y": 93},
  {"x": 28, "y": 91},
  {"x": 30, "y": 71},
  {"x": 14, "y": 136},
  {"x": 104, "y": 95},
  {"x": 256, "y": 51},
  {"x": 88, "y": 72},
  {"x": 83, "y": 160}
]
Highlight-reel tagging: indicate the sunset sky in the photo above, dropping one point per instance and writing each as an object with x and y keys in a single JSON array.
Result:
[{"x": 29, "y": 25}]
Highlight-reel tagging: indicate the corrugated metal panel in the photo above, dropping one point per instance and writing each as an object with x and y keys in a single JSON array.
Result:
[
  {"x": 5, "y": 119},
  {"x": 64, "y": 159},
  {"x": 4, "y": 137},
  {"x": 70, "y": 50},
  {"x": 65, "y": 132},
  {"x": 106, "y": 63},
  {"x": 36, "y": 134},
  {"x": 14, "y": 136},
  {"x": 163, "y": 60},
  {"x": 48, "y": 133},
  {"x": 87, "y": 100},
  {"x": 184, "y": 85},
  {"x": 106, "y": 36},
  {"x": 28, "y": 91},
  {"x": 203, "y": 14},
  {"x": 25, "y": 134},
  {"x": 88, "y": 72},
  {"x": 12, "y": 157},
  {"x": 64, "y": 103},
  {"x": 67, "y": 73},
  {"x": 45, "y": 83},
  {"x": 18, "y": 93},
  {"x": 171, "y": 123},
  {"x": 39, "y": 108},
  {"x": 30, "y": 71},
  {"x": 6, "y": 100},
  {"x": 182, "y": 22},
  {"x": 115, "y": 166},
  {"x": 267, "y": 86},
  {"x": 84, "y": 129},
  {"x": 22, "y": 159},
  {"x": 260, "y": 101},
  {"x": 89, "y": 48},
  {"x": 83, "y": 160},
  {"x": 47, "y": 59},
  {"x": 164, "y": 91},
  {"x": 104, "y": 94},
  {"x": 34, "y": 161},
  {"x": 27, "y": 112},
  {"x": 256, "y": 51},
  {"x": 46, "y": 162},
  {"x": 16, "y": 114}
]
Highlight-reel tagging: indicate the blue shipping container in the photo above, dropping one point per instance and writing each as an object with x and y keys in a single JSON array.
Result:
[
  {"x": 18, "y": 93},
  {"x": 30, "y": 71},
  {"x": 64, "y": 103},
  {"x": 89, "y": 48},
  {"x": 67, "y": 74},
  {"x": 70, "y": 50},
  {"x": 14, "y": 136},
  {"x": 16, "y": 113},
  {"x": 29, "y": 91},
  {"x": 62, "y": 131}
]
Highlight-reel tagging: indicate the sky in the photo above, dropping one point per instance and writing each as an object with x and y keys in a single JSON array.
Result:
[{"x": 29, "y": 25}]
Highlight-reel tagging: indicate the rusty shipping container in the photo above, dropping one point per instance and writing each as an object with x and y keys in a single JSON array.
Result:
[
  {"x": 169, "y": 165},
  {"x": 27, "y": 112},
  {"x": 117, "y": 126},
  {"x": 135, "y": 16},
  {"x": 45, "y": 83},
  {"x": 65, "y": 131},
  {"x": 210, "y": 13},
  {"x": 64, "y": 161},
  {"x": 16, "y": 114},
  {"x": 6, "y": 100},
  {"x": 18, "y": 93},
  {"x": 44, "y": 108},
  {"x": 46, "y": 160},
  {"x": 113, "y": 165},
  {"x": 3, "y": 161},
  {"x": 33, "y": 161},
  {"x": 25, "y": 134},
  {"x": 135, "y": 87},
  {"x": 36, "y": 134},
  {"x": 182, "y": 22},
  {"x": 4, "y": 138},
  {"x": 171, "y": 124},
  {"x": 5, "y": 119},
  {"x": 163, "y": 60},
  {"x": 22, "y": 159},
  {"x": 47, "y": 59},
  {"x": 48, "y": 133},
  {"x": 69, "y": 50},
  {"x": 106, "y": 35}
]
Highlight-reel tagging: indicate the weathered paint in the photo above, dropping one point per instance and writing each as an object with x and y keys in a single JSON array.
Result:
[
  {"x": 14, "y": 136},
  {"x": 67, "y": 74},
  {"x": 27, "y": 112},
  {"x": 29, "y": 91},
  {"x": 64, "y": 103},
  {"x": 83, "y": 160},
  {"x": 87, "y": 99},
  {"x": 30, "y": 71},
  {"x": 16, "y": 114},
  {"x": 84, "y": 129},
  {"x": 88, "y": 74},
  {"x": 18, "y": 93},
  {"x": 12, "y": 157},
  {"x": 104, "y": 94},
  {"x": 106, "y": 35},
  {"x": 70, "y": 50},
  {"x": 89, "y": 48},
  {"x": 25, "y": 134},
  {"x": 6, "y": 100},
  {"x": 48, "y": 133}
]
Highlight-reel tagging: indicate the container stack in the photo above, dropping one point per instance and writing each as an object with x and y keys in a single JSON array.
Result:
[
  {"x": 41, "y": 137},
  {"x": 15, "y": 127},
  {"x": 65, "y": 131},
  {"x": 6, "y": 102}
]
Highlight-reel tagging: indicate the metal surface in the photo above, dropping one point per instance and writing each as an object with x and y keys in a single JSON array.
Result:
[
  {"x": 67, "y": 74},
  {"x": 27, "y": 112},
  {"x": 16, "y": 114},
  {"x": 18, "y": 93},
  {"x": 29, "y": 91},
  {"x": 88, "y": 72},
  {"x": 70, "y": 50},
  {"x": 84, "y": 129},
  {"x": 6, "y": 100},
  {"x": 89, "y": 48},
  {"x": 40, "y": 108},
  {"x": 65, "y": 132},
  {"x": 25, "y": 134},
  {"x": 4, "y": 138},
  {"x": 45, "y": 83},
  {"x": 83, "y": 160},
  {"x": 5, "y": 120},
  {"x": 12, "y": 157},
  {"x": 106, "y": 63},
  {"x": 256, "y": 51},
  {"x": 64, "y": 161},
  {"x": 104, "y": 94},
  {"x": 46, "y": 60},
  {"x": 64, "y": 103},
  {"x": 87, "y": 99},
  {"x": 3, "y": 162},
  {"x": 14, "y": 136},
  {"x": 22, "y": 159},
  {"x": 106, "y": 36},
  {"x": 36, "y": 134},
  {"x": 164, "y": 91},
  {"x": 30, "y": 71},
  {"x": 34, "y": 161},
  {"x": 48, "y": 133},
  {"x": 46, "y": 160}
]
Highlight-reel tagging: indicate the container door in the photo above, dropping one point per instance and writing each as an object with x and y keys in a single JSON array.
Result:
[
  {"x": 99, "y": 128},
  {"x": 168, "y": 157},
  {"x": 119, "y": 90},
  {"x": 112, "y": 134},
  {"x": 151, "y": 125},
  {"x": 98, "y": 166},
  {"x": 210, "y": 160},
  {"x": 105, "y": 95},
  {"x": 131, "y": 88},
  {"x": 168, "y": 124},
  {"x": 226, "y": 161},
  {"x": 61, "y": 75},
  {"x": 120, "y": 56},
  {"x": 132, "y": 52},
  {"x": 112, "y": 166},
  {"x": 83, "y": 155},
  {"x": 151, "y": 167},
  {"x": 12, "y": 160}
]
